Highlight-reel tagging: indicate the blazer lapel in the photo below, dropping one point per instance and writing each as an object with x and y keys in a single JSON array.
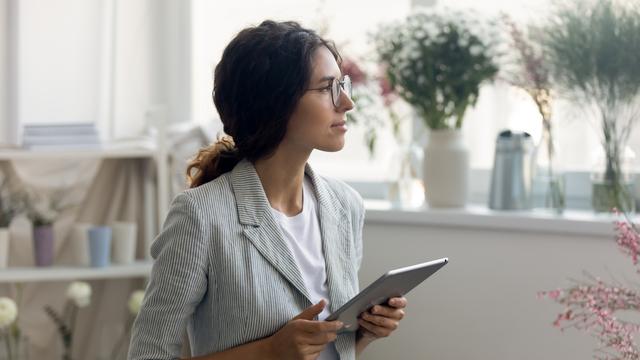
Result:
[
  {"x": 337, "y": 254},
  {"x": 260, "y": 226},
  {"x": 335, "y": 242}
]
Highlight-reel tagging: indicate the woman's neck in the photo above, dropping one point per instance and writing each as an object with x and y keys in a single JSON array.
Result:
[{"x": 281, "y": 176}]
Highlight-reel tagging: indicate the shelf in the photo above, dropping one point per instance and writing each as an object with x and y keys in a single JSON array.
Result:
[
  {"x": 109, "y": 152},
  {"x": 471, "y": 217},
  {"x": 138, "y": 269}
]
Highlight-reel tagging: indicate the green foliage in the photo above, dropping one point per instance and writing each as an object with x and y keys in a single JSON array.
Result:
[
  {"x": 593, "y": 49},
  {"x": 11, "y": 203},
  {"x": 437, "y": 65}
]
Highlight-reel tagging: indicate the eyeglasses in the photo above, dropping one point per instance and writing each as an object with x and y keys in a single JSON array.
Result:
[{"x": 335, "y": 86}]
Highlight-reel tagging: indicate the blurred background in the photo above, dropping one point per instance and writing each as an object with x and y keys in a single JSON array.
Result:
[{"x": 500, "y": 134}]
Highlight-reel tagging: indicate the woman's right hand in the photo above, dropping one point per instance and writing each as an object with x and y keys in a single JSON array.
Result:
[{"x": 303, "y": 338}]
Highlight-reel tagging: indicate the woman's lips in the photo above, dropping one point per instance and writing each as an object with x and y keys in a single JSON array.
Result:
[{"x": 340, "y": 125}]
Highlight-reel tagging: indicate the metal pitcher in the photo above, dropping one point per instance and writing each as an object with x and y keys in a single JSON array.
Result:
[{"x": 511, "y": 179}]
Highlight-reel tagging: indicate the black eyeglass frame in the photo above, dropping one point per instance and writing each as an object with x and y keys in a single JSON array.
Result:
[{"x": 342, "y": 85}]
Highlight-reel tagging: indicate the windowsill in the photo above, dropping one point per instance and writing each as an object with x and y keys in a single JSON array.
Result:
[{"x": 572, "y": 222}]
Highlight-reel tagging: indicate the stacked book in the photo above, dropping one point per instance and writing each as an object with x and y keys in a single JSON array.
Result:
[{"x": 64, "y": 136}]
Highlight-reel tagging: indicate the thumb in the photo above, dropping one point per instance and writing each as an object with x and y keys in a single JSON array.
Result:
[{"x": 310, "y": 312}]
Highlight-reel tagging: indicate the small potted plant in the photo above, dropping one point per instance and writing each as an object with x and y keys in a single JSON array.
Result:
[
  {"x": 78, "y": 296},
  {"x": 436, "y": 63},
  {"x": 43, "y": 211},
  {"x": 593, "y": 49}
]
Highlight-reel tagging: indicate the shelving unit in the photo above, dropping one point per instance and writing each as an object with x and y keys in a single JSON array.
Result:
[
  {"x": 138, "y": 269},
  {"x": 155, "y": 207}
]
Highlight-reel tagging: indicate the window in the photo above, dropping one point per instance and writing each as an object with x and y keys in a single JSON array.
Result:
[
  {"x": 500, "y": 106},
  {"x": 215, "y": 23}
]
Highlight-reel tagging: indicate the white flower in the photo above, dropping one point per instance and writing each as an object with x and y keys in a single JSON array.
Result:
[
  {"x": 8, "y": 312},
  {"x": 475, "y": 50},
  {"x": 135, "y": 301},
  {"x": 80, "y": 293}
]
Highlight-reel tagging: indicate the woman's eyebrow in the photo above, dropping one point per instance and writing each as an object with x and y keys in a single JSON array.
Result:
[{"x": 326, "y": 78}]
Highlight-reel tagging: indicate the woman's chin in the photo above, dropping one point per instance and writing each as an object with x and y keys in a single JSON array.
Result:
[{"x": 332, "y": 147}]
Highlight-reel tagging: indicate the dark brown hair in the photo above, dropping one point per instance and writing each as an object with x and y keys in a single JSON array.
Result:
[{"x": 263, "y": 73}]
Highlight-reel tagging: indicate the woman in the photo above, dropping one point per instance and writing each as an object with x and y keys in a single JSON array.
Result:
[{"x": 261, "y": 248}]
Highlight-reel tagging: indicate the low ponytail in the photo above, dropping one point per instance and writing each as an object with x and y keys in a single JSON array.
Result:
[{"x": 212, "y": 161}]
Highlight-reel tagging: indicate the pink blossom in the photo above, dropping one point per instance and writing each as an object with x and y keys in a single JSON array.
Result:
[
  {"x": 349, "y": 67},
  {"x": 591, "y": 306}
]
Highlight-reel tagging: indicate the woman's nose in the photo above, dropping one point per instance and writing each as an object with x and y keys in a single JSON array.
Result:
[{"x": 346, "y": 103}]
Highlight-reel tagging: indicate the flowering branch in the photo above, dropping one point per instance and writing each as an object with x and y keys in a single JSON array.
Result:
[
  {"x": 592, "y": 306},
  {"x": 533, "y": 76},
  {"x": 373, "y": 97}
]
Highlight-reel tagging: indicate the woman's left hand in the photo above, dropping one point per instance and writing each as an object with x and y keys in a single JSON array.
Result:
[{"x": 381, "y": 320}]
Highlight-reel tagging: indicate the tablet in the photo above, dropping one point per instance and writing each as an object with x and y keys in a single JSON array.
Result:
[{"x": 394, "y": 283}]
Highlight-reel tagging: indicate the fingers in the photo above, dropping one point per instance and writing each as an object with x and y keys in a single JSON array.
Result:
[
  {"x": 313, "y": 327},
  {"x": 314, "y": 349},
  {"x": 381, "y": 321},
  {"x": 387, "y": 311},
  {"x": 316, "y": 332},
  {"x": 312, "y": 311},
  {"x": 377, "y": 331},
  {"x": 321, "y": 338},
  {"x": 398, "y": 302}
]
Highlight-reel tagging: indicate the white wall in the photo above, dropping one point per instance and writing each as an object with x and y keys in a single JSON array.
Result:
[
  {"x": 102, "y": 61},
  {"x": 483, "y": 304},
  {"x": 4, "y": 79},
  {"x": 135, "y": 64},
  {"x": 59, "y": 58}
]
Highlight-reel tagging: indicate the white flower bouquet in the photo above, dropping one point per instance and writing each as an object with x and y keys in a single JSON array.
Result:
[{"x": 437, "y": 62}]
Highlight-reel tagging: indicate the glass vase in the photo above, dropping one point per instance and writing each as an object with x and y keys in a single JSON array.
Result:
[
  {"x": 406, "y": 190},
  {"x": 548, "y": 179},
  {"x": 613, "y": 186}
]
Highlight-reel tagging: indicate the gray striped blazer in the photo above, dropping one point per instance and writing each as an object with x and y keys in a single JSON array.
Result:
[{"x": 224, "y": 272}]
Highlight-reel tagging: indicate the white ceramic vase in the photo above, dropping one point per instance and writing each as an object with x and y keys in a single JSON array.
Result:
[
  {"x": 124, "y": 242},
  {"x": 80, "y": 243},
  {"x": 4, "y": 247},
  {"x": 446, "y": 169}
]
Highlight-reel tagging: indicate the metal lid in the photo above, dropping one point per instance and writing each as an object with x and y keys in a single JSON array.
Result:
[{"x": 513, "y": 141}]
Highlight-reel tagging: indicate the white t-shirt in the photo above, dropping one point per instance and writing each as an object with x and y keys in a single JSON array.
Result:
[{"x": 302, "y": 233}]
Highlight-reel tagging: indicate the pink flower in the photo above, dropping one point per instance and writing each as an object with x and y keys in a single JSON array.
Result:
[
  {"x": 591, "y": 306},
  {"x": 349, "y": 67}
]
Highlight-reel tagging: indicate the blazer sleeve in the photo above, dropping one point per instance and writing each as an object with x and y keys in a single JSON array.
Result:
[{"x": 176, "y": 286}]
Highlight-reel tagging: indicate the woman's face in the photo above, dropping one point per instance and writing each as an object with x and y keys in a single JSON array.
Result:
[{"x": 315, "y": 122}]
